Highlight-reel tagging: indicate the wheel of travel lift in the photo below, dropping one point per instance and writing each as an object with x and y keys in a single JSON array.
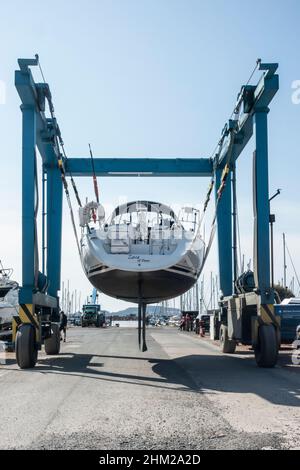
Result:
[
  {"x": 266, "y": 351},
  {"x": 52, "y": 344},
  {"x": 26, "y": 351},
  {"x": 227, "y": 345}
]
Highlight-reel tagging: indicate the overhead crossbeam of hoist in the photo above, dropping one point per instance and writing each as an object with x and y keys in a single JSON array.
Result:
[{"x": 140, "y": 166}]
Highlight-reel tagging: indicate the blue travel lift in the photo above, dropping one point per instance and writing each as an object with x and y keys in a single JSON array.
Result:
[{"x": 248, "y": 317}]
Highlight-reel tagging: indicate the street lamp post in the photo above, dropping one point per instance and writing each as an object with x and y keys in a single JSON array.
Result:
[{"x": 272, "y": 221}]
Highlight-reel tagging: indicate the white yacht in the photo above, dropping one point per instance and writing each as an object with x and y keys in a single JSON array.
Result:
[{"x": 144, "y": 253}]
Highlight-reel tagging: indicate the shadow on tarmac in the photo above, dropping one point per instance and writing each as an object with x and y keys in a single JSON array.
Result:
[{"x": 194, "y": 373}]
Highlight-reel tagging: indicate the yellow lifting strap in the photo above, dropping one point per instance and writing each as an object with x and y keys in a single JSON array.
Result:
[
  {"x": 60, "y": 164},
  {"x": 225, "y": 173},
  {"x": 210, "y": 188}
]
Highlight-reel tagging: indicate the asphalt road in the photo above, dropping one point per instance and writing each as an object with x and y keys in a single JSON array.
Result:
[{"x": 102, "y": 393}]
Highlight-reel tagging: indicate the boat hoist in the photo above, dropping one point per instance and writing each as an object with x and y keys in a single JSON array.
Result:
[{"x": 246, "y": 315}]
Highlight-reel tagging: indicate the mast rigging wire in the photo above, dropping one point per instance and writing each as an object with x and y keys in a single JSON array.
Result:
[
  {"x": 96, "y": 189},
  {"x": 291, "y": 260}
]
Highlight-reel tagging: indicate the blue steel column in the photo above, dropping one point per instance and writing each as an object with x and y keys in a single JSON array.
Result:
[
  {"x": 54, "y": 229},
  {"x": 261, "y": 207},
  {"x": 28, "y": 199},
  {"x": 224, "y": 230},
  {"x": 43, "y": 219}
]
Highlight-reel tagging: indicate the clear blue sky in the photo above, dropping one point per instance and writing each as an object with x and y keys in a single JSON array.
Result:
[{"x": 151, "y": 78}]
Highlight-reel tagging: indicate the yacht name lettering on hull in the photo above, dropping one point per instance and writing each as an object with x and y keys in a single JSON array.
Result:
[{"x": 138, "y": 259}]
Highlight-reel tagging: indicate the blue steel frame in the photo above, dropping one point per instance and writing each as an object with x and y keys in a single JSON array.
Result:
[{"x": 39, "y": 131}]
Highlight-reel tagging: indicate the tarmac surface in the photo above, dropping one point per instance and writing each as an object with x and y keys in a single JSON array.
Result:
[{"x": 101, "y": 392}]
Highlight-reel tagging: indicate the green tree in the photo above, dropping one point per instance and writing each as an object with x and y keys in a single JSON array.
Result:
[{"x": 283, "y": 292}]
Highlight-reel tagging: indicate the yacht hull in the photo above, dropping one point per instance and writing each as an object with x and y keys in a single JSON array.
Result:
[{"x": 156, "y": 286}]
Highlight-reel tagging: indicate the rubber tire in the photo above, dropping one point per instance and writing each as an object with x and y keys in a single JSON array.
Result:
[
  {"x": 26, "y": 351},
  {"x": 52, "y": 344},
  {"x": 227, "y": 345},
  {"x": 266, "y": 352}
]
